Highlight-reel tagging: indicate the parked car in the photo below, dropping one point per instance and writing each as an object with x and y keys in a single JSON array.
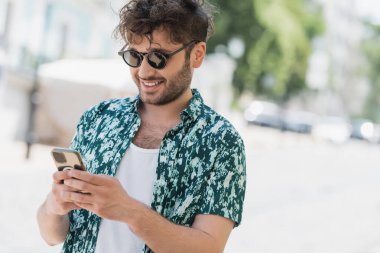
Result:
[
  {"x": 263, "y": 113},
  {"x": 298, "y": 121},
  {"x": 334, "y": 129},
  {"x": 364, "y": 129}
]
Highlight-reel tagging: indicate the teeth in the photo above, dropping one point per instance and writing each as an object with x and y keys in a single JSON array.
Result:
[{"x": 151, "y": 84}]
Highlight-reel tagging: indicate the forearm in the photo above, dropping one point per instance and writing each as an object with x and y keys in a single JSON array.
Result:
[
  {"x": 53, "y": 228},
  {"x": 163, "y": 236}
]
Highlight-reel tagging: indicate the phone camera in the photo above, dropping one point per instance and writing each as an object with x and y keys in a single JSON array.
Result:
[{"x": 59, "y": 157}]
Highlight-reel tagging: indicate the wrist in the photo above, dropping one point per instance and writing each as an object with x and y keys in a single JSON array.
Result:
[
  {"x": 136, "y": 210},
  {"x": 48, "y": 207}
]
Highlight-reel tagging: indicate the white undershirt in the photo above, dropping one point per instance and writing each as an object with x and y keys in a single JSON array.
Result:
[{"x": 136, "y": 173}]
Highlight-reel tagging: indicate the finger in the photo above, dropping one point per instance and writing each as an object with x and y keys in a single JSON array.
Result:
[
  {"x": 89, "y": 207},
  {"x": 80, "y": 185},
  {"x": 63, "y": 188},
  {"x": 88, "y": 177},
  {"x": 78, "y": 197},
  {"x": 59, "y": 176},
  {"x": 72, "y": 206},
  {"x": 60, "y": 191}
]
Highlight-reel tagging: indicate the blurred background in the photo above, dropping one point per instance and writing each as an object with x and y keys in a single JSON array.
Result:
[{"x": 299, "y": 79}]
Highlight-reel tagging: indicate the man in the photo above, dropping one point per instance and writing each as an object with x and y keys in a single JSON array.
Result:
[{"x": 165, "y": 172}]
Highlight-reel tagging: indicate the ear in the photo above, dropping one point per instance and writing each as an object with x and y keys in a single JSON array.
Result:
[{"x": 198, "y": 54}]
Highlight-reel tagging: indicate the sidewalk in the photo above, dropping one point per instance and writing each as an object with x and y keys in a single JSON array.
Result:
[{"x": 23, "y": 187}]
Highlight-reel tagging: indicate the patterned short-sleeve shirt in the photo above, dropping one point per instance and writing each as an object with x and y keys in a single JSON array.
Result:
[{"x": 201, "y": 165}]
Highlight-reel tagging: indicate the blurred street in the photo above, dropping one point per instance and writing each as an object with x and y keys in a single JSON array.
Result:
[{"x": 302, "y": 195}]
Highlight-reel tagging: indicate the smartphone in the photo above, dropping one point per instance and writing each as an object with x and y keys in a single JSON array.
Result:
[{"x": 66, "y": 159}]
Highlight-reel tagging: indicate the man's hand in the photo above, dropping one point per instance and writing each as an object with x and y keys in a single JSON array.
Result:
[
  {"x": 56, "y": 202},
  {"x": 104, "y": 196},
  {"x": 52, "y": 217}
]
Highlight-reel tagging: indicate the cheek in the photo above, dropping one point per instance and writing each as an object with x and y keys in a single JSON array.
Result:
[
  {"x": 171, "y": 70},
  {"x": 133, "y": 72}
]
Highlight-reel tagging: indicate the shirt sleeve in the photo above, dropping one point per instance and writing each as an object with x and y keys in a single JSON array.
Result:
[
  {"x": 76, "y": 141},
  {"x": 83, "y": 127},
  {"x": 225, "y": 187}
]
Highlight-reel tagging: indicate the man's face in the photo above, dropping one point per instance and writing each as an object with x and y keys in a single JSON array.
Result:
[{"x": 161, "y": 86}]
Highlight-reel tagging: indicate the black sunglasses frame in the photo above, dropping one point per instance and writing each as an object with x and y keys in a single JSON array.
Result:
[{"x": 166, "y": 56}]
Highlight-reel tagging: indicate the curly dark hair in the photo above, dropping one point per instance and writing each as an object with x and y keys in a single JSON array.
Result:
[{"x": 184, "y": 20}]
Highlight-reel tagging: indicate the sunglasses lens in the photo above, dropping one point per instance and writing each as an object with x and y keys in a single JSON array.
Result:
[
  {"x": 132, "y": 58},
  {"x": 157, "y": 60}
]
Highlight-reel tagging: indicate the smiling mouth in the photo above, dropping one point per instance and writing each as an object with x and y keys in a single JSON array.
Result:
[{"x": 150, "y": 83}]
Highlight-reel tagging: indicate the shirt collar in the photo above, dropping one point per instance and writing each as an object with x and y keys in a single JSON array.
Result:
[
  {"x": 195, "y": 107},
  {"x": 191, "y": 112}
]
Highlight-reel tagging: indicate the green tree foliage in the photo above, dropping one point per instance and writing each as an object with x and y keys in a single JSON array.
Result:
[
  {"x": 371, "y": 48},
  {"x": 276, "y": 35}
]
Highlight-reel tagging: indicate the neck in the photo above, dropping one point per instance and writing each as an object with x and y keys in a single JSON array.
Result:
[{"x": 167, "y": 114}]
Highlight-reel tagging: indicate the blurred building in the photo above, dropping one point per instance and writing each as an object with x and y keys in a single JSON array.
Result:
[
  {"x": 55, "y": 29},
  {"x": 33, "y": 32},
  {"x": 335, "y": 66}
]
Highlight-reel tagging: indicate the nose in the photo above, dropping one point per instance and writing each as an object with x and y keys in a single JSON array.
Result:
[{"x": 145, "y": 70}]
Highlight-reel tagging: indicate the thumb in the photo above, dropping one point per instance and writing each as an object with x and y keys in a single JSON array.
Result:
[{"x": 71, "y": 206}]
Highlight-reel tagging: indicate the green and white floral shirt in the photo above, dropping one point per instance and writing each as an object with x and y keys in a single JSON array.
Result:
[{"x": 201, "y": 165}]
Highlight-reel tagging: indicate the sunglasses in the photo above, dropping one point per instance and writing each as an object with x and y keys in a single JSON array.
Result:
[{"x": 156, "y": 59}]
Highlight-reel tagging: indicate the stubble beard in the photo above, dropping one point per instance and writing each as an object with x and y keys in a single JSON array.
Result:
[{"x": 174, "y": 89}]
